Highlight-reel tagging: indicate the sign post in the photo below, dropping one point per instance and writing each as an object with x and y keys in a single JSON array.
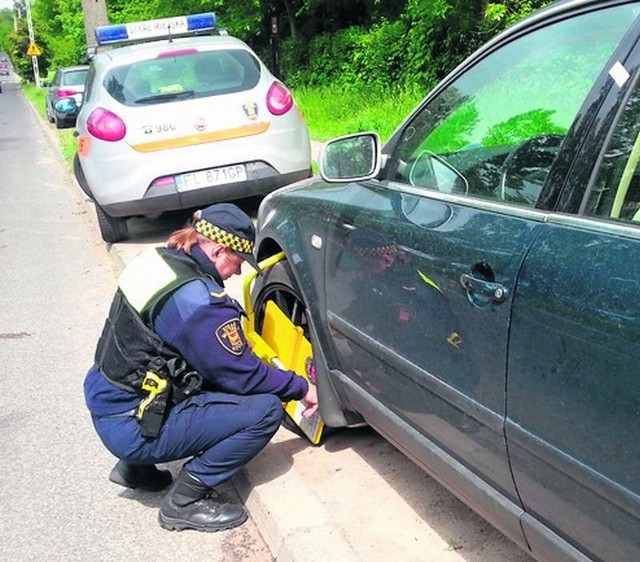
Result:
[{"x": 33, "y": 48}]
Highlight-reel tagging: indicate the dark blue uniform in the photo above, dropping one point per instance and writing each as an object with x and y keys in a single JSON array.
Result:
[{"x": 228, "y": 422}]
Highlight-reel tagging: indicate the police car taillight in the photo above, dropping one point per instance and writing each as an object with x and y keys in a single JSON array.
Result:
[
  {"x": 105, "y": 125},
  {"x": 279, "y": 100},
  {"x": 155, "y": 29}
]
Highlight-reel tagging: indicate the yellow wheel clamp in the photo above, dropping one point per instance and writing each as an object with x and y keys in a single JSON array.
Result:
[{"x": 283, "y": 345}]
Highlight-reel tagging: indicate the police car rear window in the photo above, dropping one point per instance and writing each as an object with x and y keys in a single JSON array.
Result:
[{"x": 186, "y": 75}]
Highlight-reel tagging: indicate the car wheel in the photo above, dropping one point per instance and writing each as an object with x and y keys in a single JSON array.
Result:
[
  {"x": 112, "y": 229},
  {"x": 50, "y": 117},
  {"x": 277, "y": 284}
]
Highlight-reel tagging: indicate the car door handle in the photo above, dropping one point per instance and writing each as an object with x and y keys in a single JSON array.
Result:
[{"x": 494, "y": 291}]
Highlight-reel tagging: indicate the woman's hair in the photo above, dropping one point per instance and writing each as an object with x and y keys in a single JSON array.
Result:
[{"x": 184, "y": 239}]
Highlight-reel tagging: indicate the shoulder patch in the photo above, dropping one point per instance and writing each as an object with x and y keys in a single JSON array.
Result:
[{"x": 230, "y": 336}]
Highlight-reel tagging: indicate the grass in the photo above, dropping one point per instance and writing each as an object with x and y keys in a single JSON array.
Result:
[
  {"x": 329, "y": 111},
  {"x": 66, "y": 137}
]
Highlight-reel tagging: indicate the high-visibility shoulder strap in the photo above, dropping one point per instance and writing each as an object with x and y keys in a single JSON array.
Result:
[{"x": 144, "y": 277}]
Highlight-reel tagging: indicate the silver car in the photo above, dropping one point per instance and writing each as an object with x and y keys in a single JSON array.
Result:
[
  {"x": 182, "y": 122},
  {"x": 67, "y": 82}
]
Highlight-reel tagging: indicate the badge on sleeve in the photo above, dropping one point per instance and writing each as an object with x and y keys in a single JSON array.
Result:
[{"x": 230, "y": 337}]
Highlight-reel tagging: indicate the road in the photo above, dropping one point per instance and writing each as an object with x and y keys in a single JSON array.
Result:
[
  {"x": 58, "y": 278},
  {"x": 353, "y": 498}
]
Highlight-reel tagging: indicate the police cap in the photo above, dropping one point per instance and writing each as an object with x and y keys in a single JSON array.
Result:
[{"x": 230, "y": 226}]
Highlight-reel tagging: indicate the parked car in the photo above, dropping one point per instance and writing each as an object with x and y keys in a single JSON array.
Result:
[
  {"x": 68, "y": 82},
  {"x": 180, "y": 122},
  {"x": 470, "y": 289},
  {"x": 4, "y": 68}
]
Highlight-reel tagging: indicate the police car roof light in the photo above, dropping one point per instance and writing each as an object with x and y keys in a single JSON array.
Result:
[{"x": 155, "y": 29}]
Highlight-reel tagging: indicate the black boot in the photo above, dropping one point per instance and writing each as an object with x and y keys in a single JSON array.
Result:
[
  {"x": 188, "y": 505},
  {"x": 140, "y": 476}
]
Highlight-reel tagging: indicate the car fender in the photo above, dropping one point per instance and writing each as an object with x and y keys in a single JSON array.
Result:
[{"x": 275, "y": 237}]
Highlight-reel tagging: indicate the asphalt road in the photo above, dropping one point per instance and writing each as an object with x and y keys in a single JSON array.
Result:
[{"x": 57, "y": 282}]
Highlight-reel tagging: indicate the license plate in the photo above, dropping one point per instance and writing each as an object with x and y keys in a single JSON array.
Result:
[{"x": 211, "y": 177}]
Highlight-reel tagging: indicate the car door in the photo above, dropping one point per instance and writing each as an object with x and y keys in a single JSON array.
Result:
[
  {"x": 421, "y": 266},
  {"x": 573, "y": 387}
]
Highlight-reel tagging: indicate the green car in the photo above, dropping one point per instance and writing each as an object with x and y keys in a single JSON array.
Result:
[{"x": 471, "y": 288}]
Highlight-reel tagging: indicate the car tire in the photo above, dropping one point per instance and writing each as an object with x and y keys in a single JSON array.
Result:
[
  {"x": 278, "y": 284},
  {"x": 112, "y": 229},
  {"x": 50, "y": 117}
]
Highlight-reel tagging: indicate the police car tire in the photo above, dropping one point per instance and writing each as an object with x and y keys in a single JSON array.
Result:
[{"x": 112, "y": 229}]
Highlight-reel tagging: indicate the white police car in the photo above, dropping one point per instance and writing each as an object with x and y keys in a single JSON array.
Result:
[{"x": 176, "y": 121}]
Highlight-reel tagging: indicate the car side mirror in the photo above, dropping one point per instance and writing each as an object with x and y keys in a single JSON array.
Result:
[
  {"x": 350, "y": 158},
  {"x": 66, "y": 105}
]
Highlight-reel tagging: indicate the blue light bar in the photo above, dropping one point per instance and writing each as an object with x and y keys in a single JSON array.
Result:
[{"x": 155, "y": 29}]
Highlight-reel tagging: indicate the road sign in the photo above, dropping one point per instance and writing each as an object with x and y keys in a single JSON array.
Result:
[{"x": 33, "y": 50}]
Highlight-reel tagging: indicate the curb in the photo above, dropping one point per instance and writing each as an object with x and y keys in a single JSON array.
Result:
[{"x": 291, "y": 519}]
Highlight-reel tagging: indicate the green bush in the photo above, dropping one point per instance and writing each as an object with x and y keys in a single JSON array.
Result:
[{"x": 367, "y": 57}]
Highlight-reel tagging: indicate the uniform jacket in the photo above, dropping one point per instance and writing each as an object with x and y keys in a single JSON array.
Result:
[{"x": 203, "y": 324}]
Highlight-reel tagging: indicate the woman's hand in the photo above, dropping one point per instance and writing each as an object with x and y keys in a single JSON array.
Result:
[{"x": 311, "y": 400}]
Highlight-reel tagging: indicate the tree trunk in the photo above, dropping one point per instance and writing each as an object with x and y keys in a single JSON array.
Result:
[{"x": 291, "y": 17}]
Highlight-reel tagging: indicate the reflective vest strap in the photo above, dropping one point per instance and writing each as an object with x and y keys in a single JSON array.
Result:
[{"x": 144, "y": 277}]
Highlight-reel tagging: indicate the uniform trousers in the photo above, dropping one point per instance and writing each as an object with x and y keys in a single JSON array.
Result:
[{"x": 222, "y": 432}]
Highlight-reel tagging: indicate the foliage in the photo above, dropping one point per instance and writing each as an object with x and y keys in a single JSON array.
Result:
[
  {"x": 6, "y": 27},
  {"x": 353, "y": 64},
  {"x": 368, "y": 57},
  {"x": 374, "y": 43},
  {"x": 22, "y": 64},
  {"x": 332, "y": 111},
  {"x": 36, "y": 96},
  {"x": 66, "y": 137},
  {"x": 61, "y": 25}
]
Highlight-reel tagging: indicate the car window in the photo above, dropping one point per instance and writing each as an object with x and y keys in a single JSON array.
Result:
[
  {"x": 191, "y": 75},
  {"x": 495, "y": 132},
  {"x": 615, "y": 194},
  {"x": 74, "y": 77}
]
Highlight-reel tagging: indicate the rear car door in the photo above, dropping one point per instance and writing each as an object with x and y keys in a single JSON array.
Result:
[
  {"x": 573, "y": 387},
  {"x": 422, "y": 266}
]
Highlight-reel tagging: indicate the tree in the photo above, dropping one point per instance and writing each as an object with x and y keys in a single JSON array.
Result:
[{"x": 6, "y": 28}]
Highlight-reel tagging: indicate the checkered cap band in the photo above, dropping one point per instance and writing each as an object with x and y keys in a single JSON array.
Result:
[
  {"x": 217, "y": 234},
  {"x": 376, "y": 251}
]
